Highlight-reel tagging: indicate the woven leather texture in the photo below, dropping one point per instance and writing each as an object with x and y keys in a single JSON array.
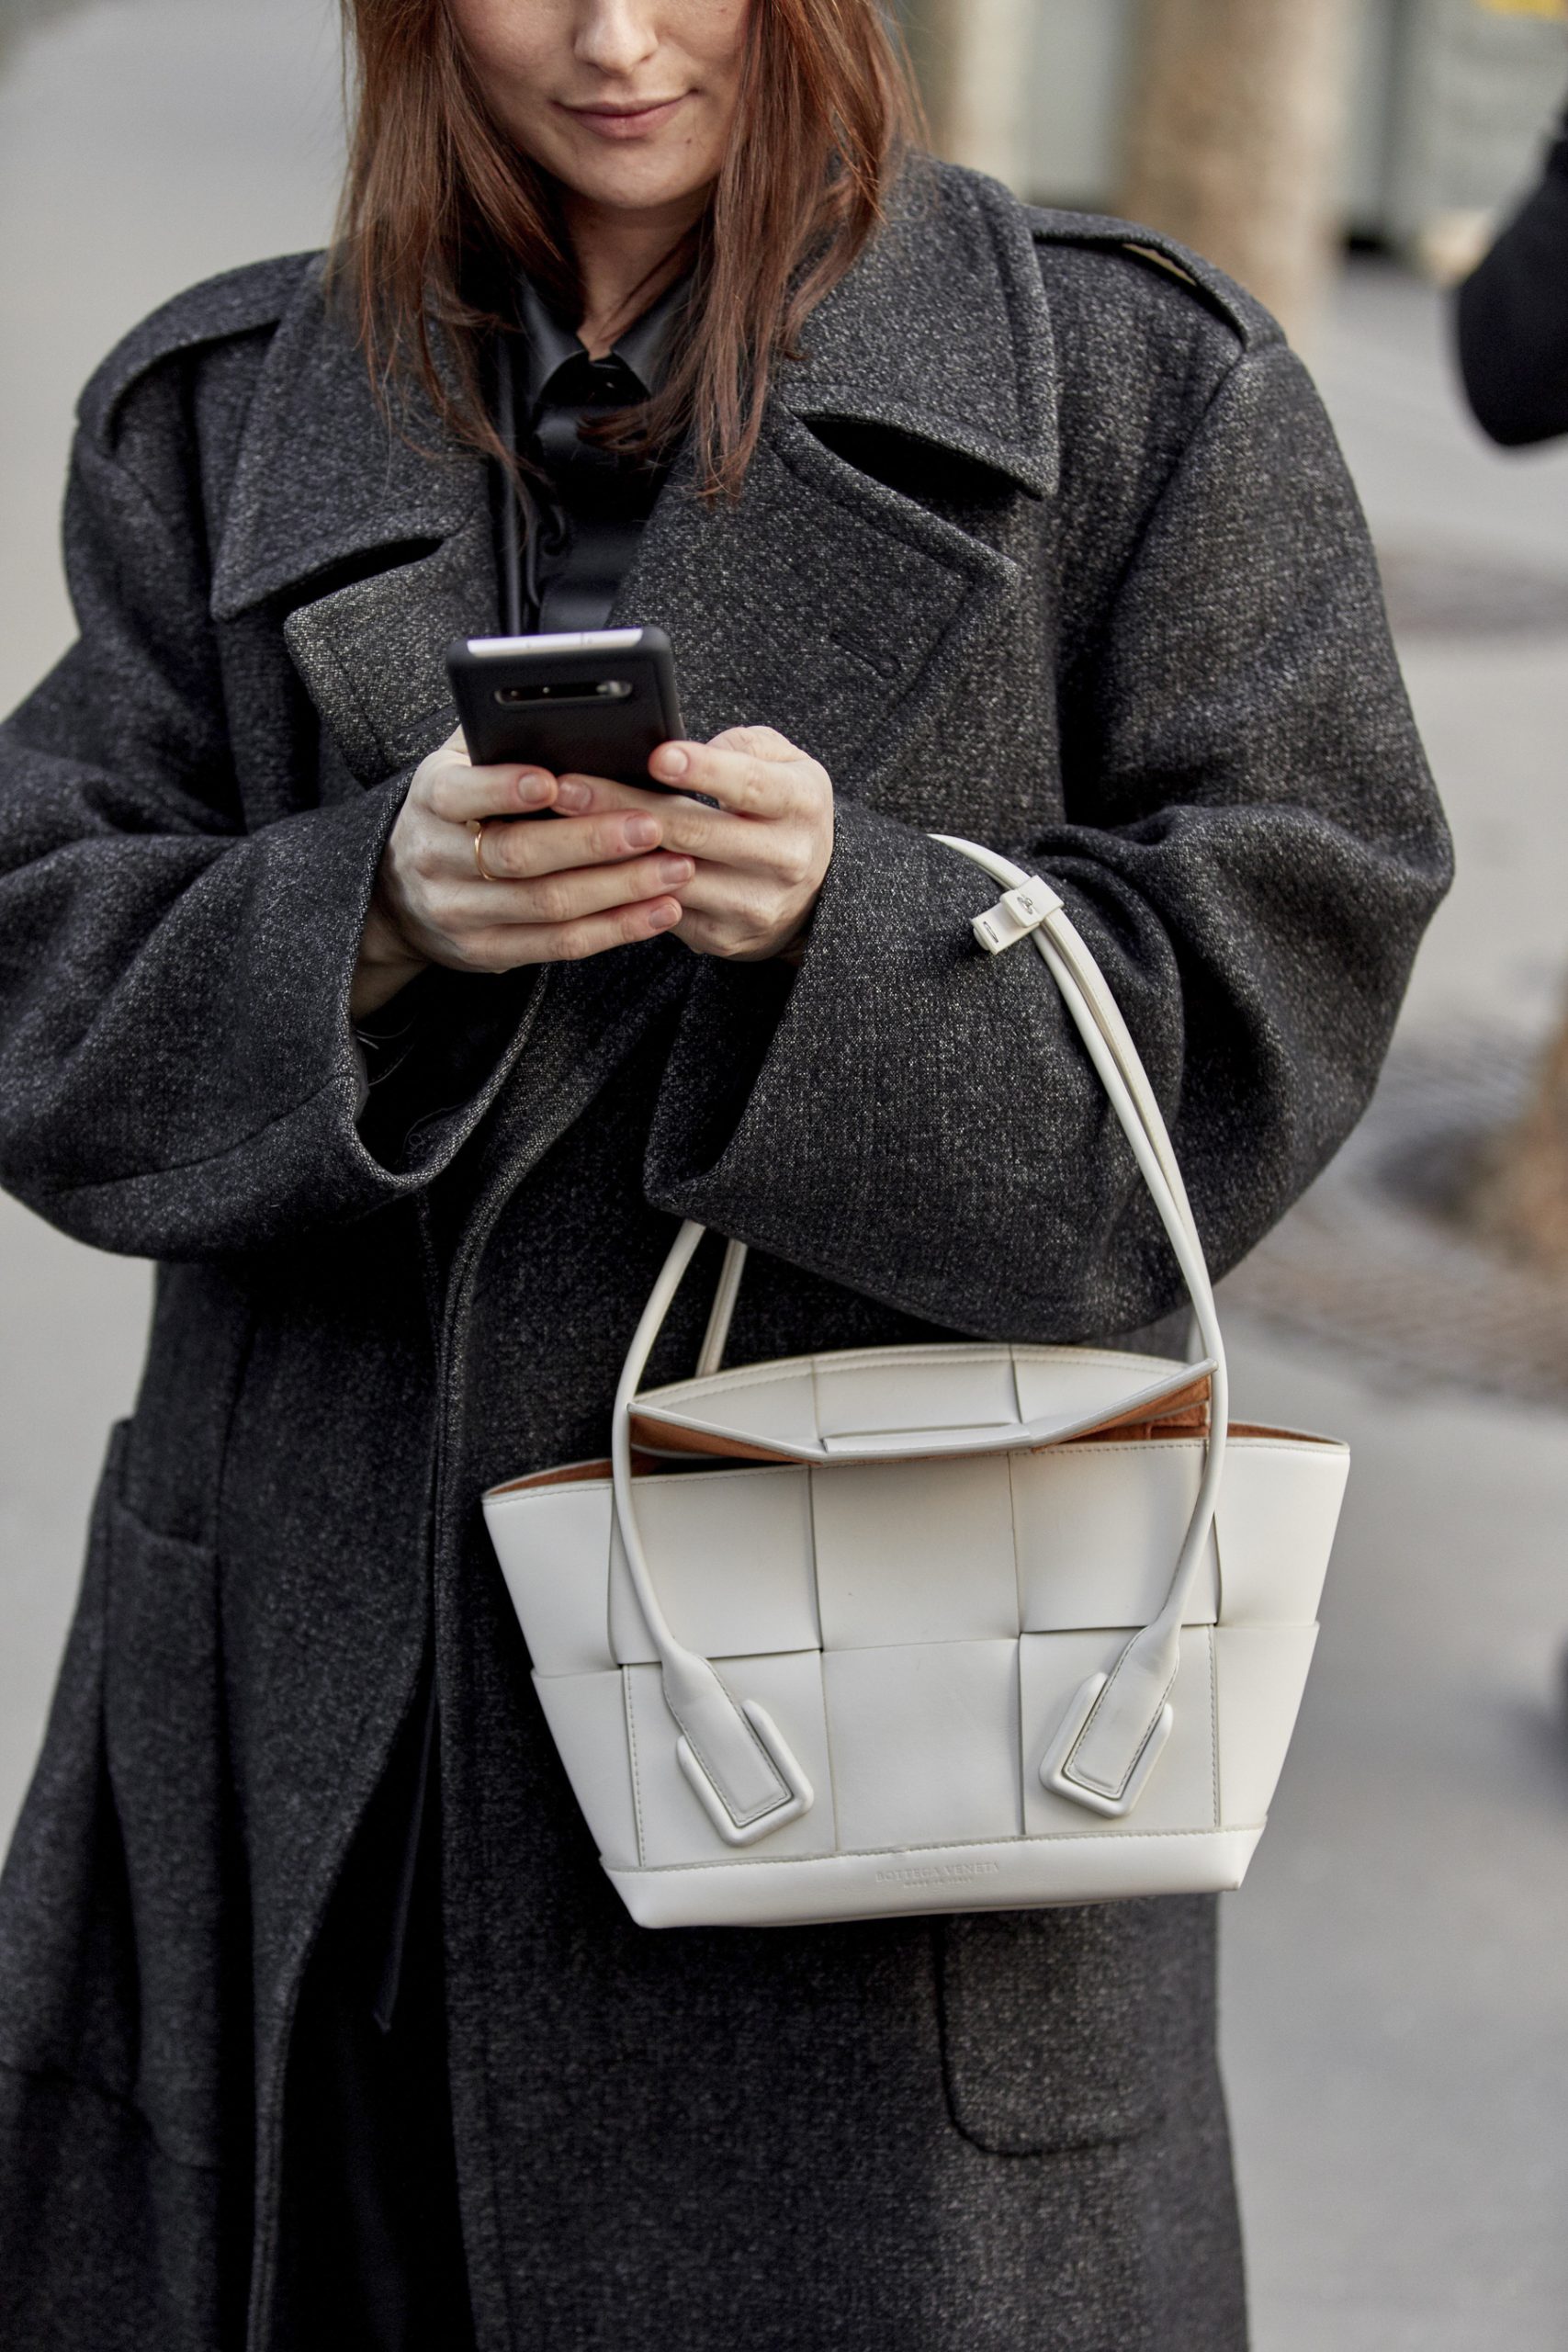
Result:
[{"x": 916, "y": 1630}]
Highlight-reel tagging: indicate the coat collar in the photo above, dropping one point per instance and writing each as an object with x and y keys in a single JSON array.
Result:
[
  {"x": 323, "y": 478},
  {"x": 941, "y": 332},
  {"x": 823, "y": 599}
]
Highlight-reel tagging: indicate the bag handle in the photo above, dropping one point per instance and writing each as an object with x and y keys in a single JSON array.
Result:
[
  {"x": 733, "y": 1753},
  {"x": 1111, "y": 1736}
]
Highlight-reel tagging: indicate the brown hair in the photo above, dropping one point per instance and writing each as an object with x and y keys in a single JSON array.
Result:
[{"x": 437, "y": 202}]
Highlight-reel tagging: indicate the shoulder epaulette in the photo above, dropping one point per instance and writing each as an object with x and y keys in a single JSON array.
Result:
[{"x": 1098, "y": 233}]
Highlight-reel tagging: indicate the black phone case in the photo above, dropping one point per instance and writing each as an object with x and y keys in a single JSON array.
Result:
[{"x": 594, "y": 703}]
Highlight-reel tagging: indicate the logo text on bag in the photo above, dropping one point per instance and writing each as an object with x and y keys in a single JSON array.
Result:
[{"x": 938, "y": 1873}]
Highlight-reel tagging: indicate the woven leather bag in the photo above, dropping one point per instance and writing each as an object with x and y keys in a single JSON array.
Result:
[{"x": 942, "y": 1628}]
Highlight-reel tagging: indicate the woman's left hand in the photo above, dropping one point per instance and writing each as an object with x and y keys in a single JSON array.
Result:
[{"x": 760, "y": 855}]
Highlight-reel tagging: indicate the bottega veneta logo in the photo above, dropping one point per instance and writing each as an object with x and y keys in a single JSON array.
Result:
[{"x": 938, "y": 1873}]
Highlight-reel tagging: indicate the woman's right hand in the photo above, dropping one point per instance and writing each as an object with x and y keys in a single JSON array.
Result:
[{"x": 558, "y": 891}]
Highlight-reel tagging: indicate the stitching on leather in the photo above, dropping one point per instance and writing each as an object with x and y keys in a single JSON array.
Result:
[
  {"x": 758, "y": 1812},
  {"x": 1089, "y": 1447},
  {"x": 1107, "y": 1445},
  {"x": 1214, "y": 1723},
  {"x": 832, "y": 1767},
  {"x": 755, "y": 1376},
  {"x": 1096, "y": 1450},
  {"x": 1103, "y": 1788},
  {"x": 1023, "y": 1742},
  {"x": 520, "y": 1497},
  {"x": 626, "y": 1673},
  {"x": 961, "y": 1641},
  {"x": 1075, "y": 1837},
  {"x": 1017, "y": 1579},
  {"x": 821, "y": 1656},
  {"x": 858, "y": 1358},
  {"x": 1123, "y": 1631}
]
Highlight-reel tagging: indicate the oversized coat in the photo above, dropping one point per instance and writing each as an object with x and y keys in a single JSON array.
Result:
[{"x": 1048, "y": 541}]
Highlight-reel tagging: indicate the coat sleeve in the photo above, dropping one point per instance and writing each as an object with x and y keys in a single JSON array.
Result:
[
  {"x": 1513, "y": 319},
  {"x": 1253, "y": 850},
  {"x": 179, "y": 1076}
]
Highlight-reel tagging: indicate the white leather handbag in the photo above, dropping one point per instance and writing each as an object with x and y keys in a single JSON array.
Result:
[{"x": 941, "y": 1628}]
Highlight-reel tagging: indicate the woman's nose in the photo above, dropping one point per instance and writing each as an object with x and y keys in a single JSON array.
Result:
[{"x": 616, "y": 36}]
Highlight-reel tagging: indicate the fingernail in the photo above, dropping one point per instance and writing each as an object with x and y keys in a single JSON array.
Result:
[
  {"x": 664, "y": 918},
  {"x": 676, "y": 869},
  {"x": 572, "y": 796},
  {"x": 672, "y": 761},
  {"x": 532, "y": 787},
  {"x": 641, "y": 832}
]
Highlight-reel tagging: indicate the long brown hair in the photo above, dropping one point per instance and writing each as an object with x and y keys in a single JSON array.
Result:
[{"x": 438, "y": 205}]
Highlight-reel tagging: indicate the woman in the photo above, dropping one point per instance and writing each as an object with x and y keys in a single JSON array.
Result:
[{"x": 319, "y": 2023}]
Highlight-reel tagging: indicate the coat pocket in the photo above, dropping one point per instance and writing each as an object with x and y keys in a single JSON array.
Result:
[
  {"x": 165, "y": 1743},
  {"x": 67, "y": 1965},
  {"x": 1071, "y": 2029},
  {"x": 105, "y": 2245}
]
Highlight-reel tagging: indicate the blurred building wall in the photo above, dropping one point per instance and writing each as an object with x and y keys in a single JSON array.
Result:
[
  {"x": 1471, "y": 91},
  {"x": 1450, "y": 97},
  {"x": 15, "y": 15},
  {"x": 1450, "y": 101}
]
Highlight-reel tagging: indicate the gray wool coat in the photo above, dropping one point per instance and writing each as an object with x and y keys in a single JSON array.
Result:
[{"x": 1046, "y": 541}]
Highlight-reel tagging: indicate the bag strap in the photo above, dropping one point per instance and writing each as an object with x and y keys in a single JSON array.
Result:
[{"x": 1112, "y": 1734}]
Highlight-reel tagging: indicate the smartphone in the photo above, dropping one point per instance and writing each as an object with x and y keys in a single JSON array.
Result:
[{"x": 595, "y": 702}]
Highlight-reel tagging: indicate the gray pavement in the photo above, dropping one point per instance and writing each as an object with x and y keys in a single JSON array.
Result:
[
  {"x": 1393, "y": 1970},
  {"x": 1395, "y": 2015}
]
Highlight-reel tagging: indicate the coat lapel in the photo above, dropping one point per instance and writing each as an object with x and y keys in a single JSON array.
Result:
[
  {"x": 824, "y": 602},
  {"x": 388, "y": 523},
  {"x": 821, "y": 605},
  {"x": 941, "y": 332},
  {"x": 821, "y": 602},
  {"x": 373, "y": 655}
]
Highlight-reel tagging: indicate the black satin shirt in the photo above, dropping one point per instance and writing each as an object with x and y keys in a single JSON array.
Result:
[{"x": 593, "y": 503}]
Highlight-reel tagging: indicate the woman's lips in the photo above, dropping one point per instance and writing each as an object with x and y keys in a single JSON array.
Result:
[{"x": 626, "y": 122}]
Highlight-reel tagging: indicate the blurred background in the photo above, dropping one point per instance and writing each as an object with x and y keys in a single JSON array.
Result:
[{"x": 1394, "y": 1971}]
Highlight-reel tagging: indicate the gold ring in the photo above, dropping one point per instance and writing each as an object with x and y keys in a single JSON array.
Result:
[{"x": 477, "y": 827}]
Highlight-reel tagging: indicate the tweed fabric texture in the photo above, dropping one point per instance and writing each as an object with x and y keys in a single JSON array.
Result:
[{"x": 1046, "y": 541}]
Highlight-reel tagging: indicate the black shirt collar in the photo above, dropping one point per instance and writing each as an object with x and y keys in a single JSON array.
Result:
[{"x": 643, "y": 350}]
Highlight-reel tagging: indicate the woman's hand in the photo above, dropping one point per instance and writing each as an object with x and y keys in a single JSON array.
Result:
[
  {"x": 547, "y": 893},
  {"x": 760, "y": 856},
  {"x": 612, "y": 863}
]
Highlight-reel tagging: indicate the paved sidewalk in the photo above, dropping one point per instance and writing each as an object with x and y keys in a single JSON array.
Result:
[
  {"x": 1394, "y": 2019},
  {"x": 1394, "y": 2004},
  {"x": 1393, "y": 2015}
]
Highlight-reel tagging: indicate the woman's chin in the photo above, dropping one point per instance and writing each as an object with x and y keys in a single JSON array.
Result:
[
  {"x": 623, "y": 182},
  {"x": 654, "y": 174}
]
